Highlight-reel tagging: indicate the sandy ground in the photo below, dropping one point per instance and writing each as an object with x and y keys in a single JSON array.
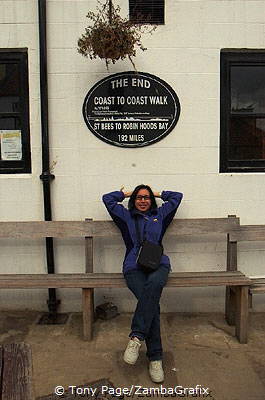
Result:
[{"x": 200, "y": 349}]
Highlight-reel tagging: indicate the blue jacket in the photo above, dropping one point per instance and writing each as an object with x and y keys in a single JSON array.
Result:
[{"x": 152, "y": 224}]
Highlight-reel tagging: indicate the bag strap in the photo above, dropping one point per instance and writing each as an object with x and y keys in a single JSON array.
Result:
[{"x": 137, "y": 228}]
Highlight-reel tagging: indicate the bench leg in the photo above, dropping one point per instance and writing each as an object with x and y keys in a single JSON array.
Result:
[
  {"x": 88, "y": 313},
  {"x": 242, "y": 313},
  {"x": 230, "y": 305}
]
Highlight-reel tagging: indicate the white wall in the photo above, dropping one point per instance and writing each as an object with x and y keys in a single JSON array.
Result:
[{"x": 185, "y": 53}]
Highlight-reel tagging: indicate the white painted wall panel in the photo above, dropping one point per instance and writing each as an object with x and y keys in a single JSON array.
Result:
[
  {"x": 185, "y": 52},
  {"x": 17, "y": 12}
]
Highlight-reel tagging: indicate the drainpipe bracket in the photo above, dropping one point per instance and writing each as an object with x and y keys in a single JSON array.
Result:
[{"x": 46, "y": 176}]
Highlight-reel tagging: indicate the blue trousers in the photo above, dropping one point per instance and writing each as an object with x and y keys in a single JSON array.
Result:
[{"x": 147, "y": 288}]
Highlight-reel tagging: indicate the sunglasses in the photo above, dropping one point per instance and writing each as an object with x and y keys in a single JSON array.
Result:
[{"x": 142, "y": 197}]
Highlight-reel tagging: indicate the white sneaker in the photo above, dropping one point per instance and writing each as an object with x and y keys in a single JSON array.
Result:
[
  {"x": 156, "y": 371},
  {"x": 131, "y": 353}
]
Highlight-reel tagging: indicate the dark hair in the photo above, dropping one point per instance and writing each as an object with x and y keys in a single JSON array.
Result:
[{"x": 131, "y": 203}]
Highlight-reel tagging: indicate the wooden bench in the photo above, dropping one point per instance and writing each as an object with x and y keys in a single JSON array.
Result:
[
  {"x": 90, "y": 281},
  {"x": 16, "y": 381},
  {"x": 220, "y": 228},
  {"x": 250, "y": 233}
]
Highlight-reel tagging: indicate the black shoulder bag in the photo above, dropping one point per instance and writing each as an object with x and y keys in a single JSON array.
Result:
[{"x": 149, "y": 255}]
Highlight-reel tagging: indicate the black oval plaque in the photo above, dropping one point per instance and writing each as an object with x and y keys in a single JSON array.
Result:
[{"x": 131, "y": 109}]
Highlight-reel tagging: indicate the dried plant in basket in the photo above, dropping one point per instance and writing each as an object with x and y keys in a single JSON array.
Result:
[{"x": 111, "y": 37}]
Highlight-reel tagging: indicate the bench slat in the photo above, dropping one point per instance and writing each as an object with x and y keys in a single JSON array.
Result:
[
  {"x": 202, "y": 226},
  {"x": 248, "y": 233},
  {"x": 70, "y": 229},
  {"x": 114, "y": 275},
  {"x": 42, "y": 229},
  {"x": 257, "y": 289},
  {"x": 96, "y": 280},
  {"x": 258, "y": 281},
  {"x": 257, "y": 286}
]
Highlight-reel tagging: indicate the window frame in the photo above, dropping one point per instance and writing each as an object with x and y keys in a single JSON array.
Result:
[
  {"x": 155, "y": 18},
  {"x": 19, "y": 56},
  {"x": 229, "y": 57}
]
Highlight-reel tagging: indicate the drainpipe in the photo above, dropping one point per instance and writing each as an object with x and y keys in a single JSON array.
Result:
[{"x": 46, "y": 175}]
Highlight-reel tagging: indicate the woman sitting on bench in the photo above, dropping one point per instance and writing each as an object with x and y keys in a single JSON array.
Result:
[{"x": 144, "y": 221}]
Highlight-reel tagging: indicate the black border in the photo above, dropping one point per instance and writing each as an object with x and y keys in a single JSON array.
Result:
[
  {"x": 150, "y": 76},
  {"x": 228, "y": 58},
  {"x": 23, "y": 166},
  {"x": 156, "y": 15}
]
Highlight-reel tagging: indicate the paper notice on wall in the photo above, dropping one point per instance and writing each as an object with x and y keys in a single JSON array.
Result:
[{"x": 11, "y": 146}]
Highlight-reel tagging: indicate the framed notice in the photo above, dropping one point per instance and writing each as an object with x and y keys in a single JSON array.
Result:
[
  {"x": 131, "y": 109},
  {"x": 11, "y": 145}
]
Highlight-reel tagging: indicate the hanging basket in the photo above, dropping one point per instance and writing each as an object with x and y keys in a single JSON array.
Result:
[{"x": 111, "y": 37}]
